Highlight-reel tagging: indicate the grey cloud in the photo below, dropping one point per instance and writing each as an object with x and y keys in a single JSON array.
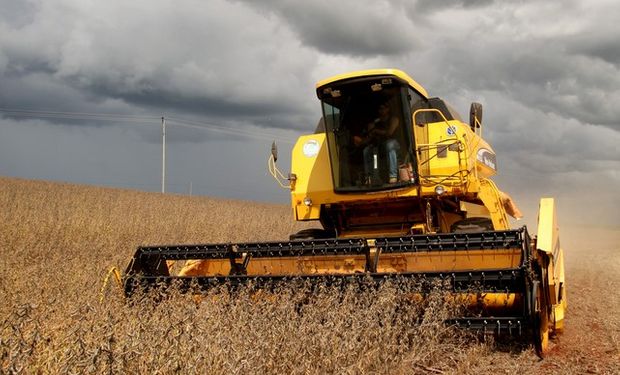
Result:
[
  {"x": 347, "y": 27},
  {"x": 135, "y": 58},
  {"x": 541, "y": 71},
  {"x": 546, "y": 72},
  {"x": 597, "y": 33},
  {"x": 272, "y": 113},
  {"x": 432, "y": 5},
  {"x": 17, "y": 13},
  {"x": 518, "y": 129},
  {"x": 602, "y": 45}
]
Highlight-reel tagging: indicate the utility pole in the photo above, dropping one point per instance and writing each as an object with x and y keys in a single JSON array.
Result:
[{"x": 163, "y": 154}]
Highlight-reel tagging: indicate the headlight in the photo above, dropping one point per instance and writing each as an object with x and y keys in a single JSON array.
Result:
[
  {"x": 308, "y": 201},
  {"x": 311, "y": 148},
  {"x": 439, "y": 189}
]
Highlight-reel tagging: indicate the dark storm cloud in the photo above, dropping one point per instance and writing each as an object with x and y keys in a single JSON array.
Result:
[
  {"x": 561, "y": 67},
  {"x": 346, "y": 27},
  {"x": 42, "y": 91},
  {"x": 531, "y": 141},
  {"x": 432, "y": 5},
  {"x": 602, "y": 45},
  {"x": 37, "y": 89},
  {"x": 253, "y": 67},
  {"x": 176, "y": 60},
  {"x": 214, "y": 106},
  {"x": 570, "y": 86}
]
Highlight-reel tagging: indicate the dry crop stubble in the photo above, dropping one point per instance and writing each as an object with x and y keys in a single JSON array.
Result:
[{"x": 57, "y": 242}]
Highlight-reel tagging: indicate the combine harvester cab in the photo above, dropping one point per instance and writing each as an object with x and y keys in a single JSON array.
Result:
[{"x": 401, "y": 188}]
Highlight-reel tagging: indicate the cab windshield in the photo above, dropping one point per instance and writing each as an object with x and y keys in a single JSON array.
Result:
[{"x": 368, "y": 127}]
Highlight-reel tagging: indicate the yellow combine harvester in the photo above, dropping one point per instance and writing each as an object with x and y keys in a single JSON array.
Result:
[{"x": 401, "y": 187}]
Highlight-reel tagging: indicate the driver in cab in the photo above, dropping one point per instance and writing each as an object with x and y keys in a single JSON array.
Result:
[{"x": 380, "y": 133}]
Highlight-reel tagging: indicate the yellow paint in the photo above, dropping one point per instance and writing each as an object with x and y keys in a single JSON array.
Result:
[
  {"x": 375, "y": 72},
  {"x": 548, "y": 241},
  {"x": 431, "y": 261},
  {"x": 548, "y": 233},
  {"x": 490, "y": 196},
  {"x": 314, "y": 178}
]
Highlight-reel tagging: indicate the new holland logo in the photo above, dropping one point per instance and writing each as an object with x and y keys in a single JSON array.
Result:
[{"x": 487, "y": 158}]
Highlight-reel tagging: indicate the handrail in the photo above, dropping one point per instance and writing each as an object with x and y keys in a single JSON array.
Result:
[
  {"x": 461, "y": 175},
  {"x": 430, "y": 110}
]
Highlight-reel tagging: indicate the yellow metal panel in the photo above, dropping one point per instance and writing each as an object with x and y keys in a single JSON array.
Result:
[
  {"x": 374, "y": 72},
  {"x": 314, "y": 178},
  {"x": 548, "y": 233},
  {"x": 558, "y": 314},
  {"x": 303, "y": 212},
  {"x": 559, "y": 270},
  {"x": 499, "y": 303},
  {"x": 548, "y": 241},
  {"x": 443, "y": 156},
  {"x": 474, "y": 210},
  {"x": 451, "y": 260},
  {"x": 489, "y": 195},
  {"x": 431, "y": 261}
]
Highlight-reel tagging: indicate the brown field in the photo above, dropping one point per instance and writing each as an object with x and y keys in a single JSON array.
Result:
[{"x": 57, "y": 242}]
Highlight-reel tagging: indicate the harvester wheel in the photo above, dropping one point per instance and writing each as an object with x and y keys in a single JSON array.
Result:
[
  {"x": 311, "y": 234},
  {"x": 541, "y": 320}
]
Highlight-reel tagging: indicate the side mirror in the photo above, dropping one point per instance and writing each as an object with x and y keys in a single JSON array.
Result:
[
  {"x": 283, "y": 181},
  {"x": 475, "y": 116},
  {"x": 274, "y": 151}
]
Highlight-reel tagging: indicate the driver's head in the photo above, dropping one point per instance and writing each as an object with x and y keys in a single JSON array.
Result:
[{"x": 383, "y": 109}]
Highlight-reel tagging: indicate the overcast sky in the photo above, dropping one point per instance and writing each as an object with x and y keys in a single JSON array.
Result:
[{"x": 83, "y": 85}]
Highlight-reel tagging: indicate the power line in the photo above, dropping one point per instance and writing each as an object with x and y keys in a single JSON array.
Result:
[
  {"x": 146, "y": 120},
  {"x": 258, "y": 134},
  {"x": 77, "y": 115}
]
